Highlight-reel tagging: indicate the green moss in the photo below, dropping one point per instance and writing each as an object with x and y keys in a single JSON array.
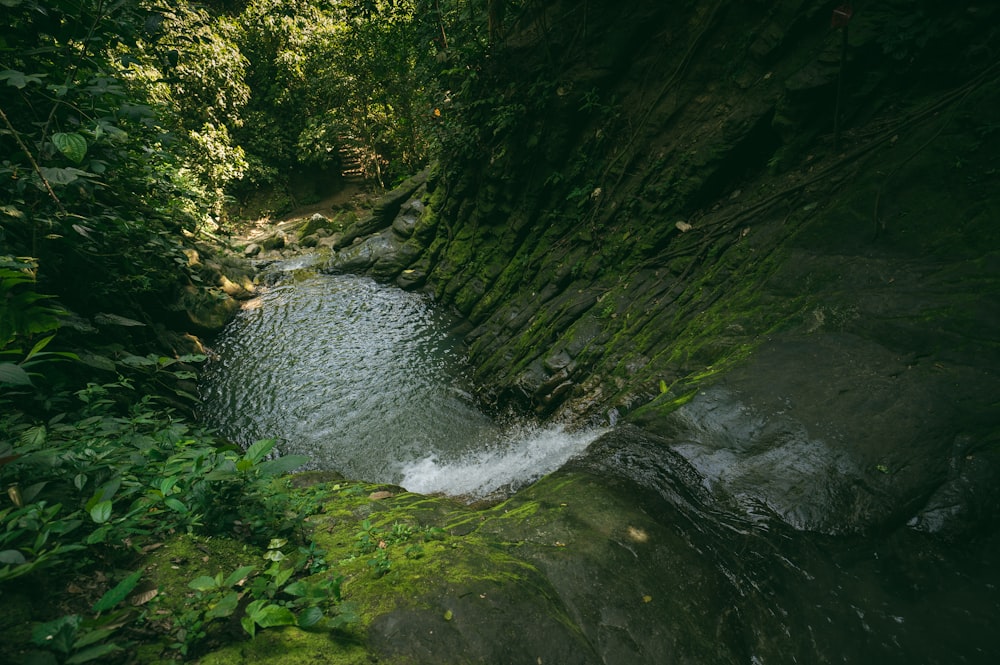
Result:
[
  {"x": 185, "y": 557},
  {"x": 291, "y": 646}
]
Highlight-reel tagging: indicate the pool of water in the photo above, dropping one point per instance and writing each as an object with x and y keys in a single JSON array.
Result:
[{"x": 368, "y": 380}]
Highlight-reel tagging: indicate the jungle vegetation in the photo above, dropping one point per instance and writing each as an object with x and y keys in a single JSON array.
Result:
[{"x": 129, "y": 131}]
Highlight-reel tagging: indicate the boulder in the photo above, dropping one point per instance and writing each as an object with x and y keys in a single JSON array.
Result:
[{"x": 276, "y": 241}]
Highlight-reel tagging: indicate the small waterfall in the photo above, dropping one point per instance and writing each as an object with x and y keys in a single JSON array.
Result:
[{"x": 521, "y": 455}]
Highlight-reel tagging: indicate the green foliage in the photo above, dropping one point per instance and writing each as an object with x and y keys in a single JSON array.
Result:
[
  {"x": 380, "y": 541},
  {"x": 23, "y": 311}
]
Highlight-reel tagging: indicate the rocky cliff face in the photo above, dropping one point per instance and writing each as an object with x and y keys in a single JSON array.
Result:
[{"x": 663, "y": 222}]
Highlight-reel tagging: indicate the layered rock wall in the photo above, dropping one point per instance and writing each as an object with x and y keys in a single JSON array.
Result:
[{"x": 668, "y": 198}]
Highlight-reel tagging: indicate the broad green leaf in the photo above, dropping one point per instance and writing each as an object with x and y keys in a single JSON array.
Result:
[
  {"x": 60, "y": 176},
  {"x": 72, "y": 145},
  {"x": 249, "y": 626},
  {"x": 274, "y": 615},
  {"x": 225, "y": 607},
  {"x": 193, "y": 358},
  {"x": 58, "y": 634},
  {"x": 98, "y": 535},
  {"x": 93, "y": 653},
  {"x": 203, "y": 583},
  {"x": 29, "y": 493},
  {"x": 33, "y": 437},
  {"x": 18, "y": 79},
  {"x": 14, "y": 375},
  {"x": 167, "y": 484},
  {"x": 283, "y": 576},
  {"x": 94, "y": 636},
  {"x": 296, "y": 588},
  {"x": 259, "y": 450},
  {"x": 101, "y": 512},
  {"x": 237, "y": 575},
  {"x": 108, "y": 490},
  {"x": 119, "y": 593},
  {"x": 225, "y": 471},
  {"x": 282, "y": 465},
  {"x": 310, "y": 617},
  {"x": 97, "y": 362},
  {"x": 13, "y": 557},
  {"x": 277, "y": 543},
  {"x": 175, "y": 505},
  {"x": 274, "y": 555},
  {"x": 138, "y": 361},
  {"x": 248, "y": 622}
]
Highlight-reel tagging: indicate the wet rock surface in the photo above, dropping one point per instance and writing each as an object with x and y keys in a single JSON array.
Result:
[{"x": 617, "y": 559}]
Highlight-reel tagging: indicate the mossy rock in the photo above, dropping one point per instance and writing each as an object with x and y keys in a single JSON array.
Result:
[
  {"x": 312, "y": 225},
  {"x": 277, "y": 241},
  {"x": 207, "y": 309}
]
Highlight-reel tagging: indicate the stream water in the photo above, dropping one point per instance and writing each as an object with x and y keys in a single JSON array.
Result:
[{"x": 368, "y": 380}]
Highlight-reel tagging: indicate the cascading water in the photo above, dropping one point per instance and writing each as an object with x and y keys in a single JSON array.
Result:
[{"x": 367, "y": 380}]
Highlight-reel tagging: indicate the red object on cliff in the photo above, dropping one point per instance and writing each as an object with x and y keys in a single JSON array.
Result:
[{"x": 841, "y": 16}]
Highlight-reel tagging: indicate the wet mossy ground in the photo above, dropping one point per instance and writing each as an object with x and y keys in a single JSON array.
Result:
[
  {"x": 539, "y": 576},
  {"x": 441, "y": 578}
]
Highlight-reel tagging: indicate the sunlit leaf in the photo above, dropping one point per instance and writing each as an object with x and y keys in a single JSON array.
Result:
[
  {"x": 274, "y": 555},
  {"x": 225, "y": 607},
  {"x": 297, "y": 588},
  {"x": 41, "y": 344},
  {"x": 238, "y": 575},
  {"x": 72, "y": 145},
  {"x": 12, "y": 211},
  {"x": 82, "y": 230},
  {"x": 259, "y": 450},
  {"x": 203, "y": 583},
  {"x": 101, "y": 512},
  {"x": 274, "y": 615}
]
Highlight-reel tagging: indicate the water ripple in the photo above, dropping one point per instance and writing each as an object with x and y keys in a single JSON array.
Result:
[{"x": 365, "y": 379}]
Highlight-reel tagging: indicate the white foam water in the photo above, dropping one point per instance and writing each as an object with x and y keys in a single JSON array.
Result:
[{"x": 519, "y": 457}]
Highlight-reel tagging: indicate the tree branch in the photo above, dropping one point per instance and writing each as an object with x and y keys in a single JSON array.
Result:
[{"x": 31, "y": 159}]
